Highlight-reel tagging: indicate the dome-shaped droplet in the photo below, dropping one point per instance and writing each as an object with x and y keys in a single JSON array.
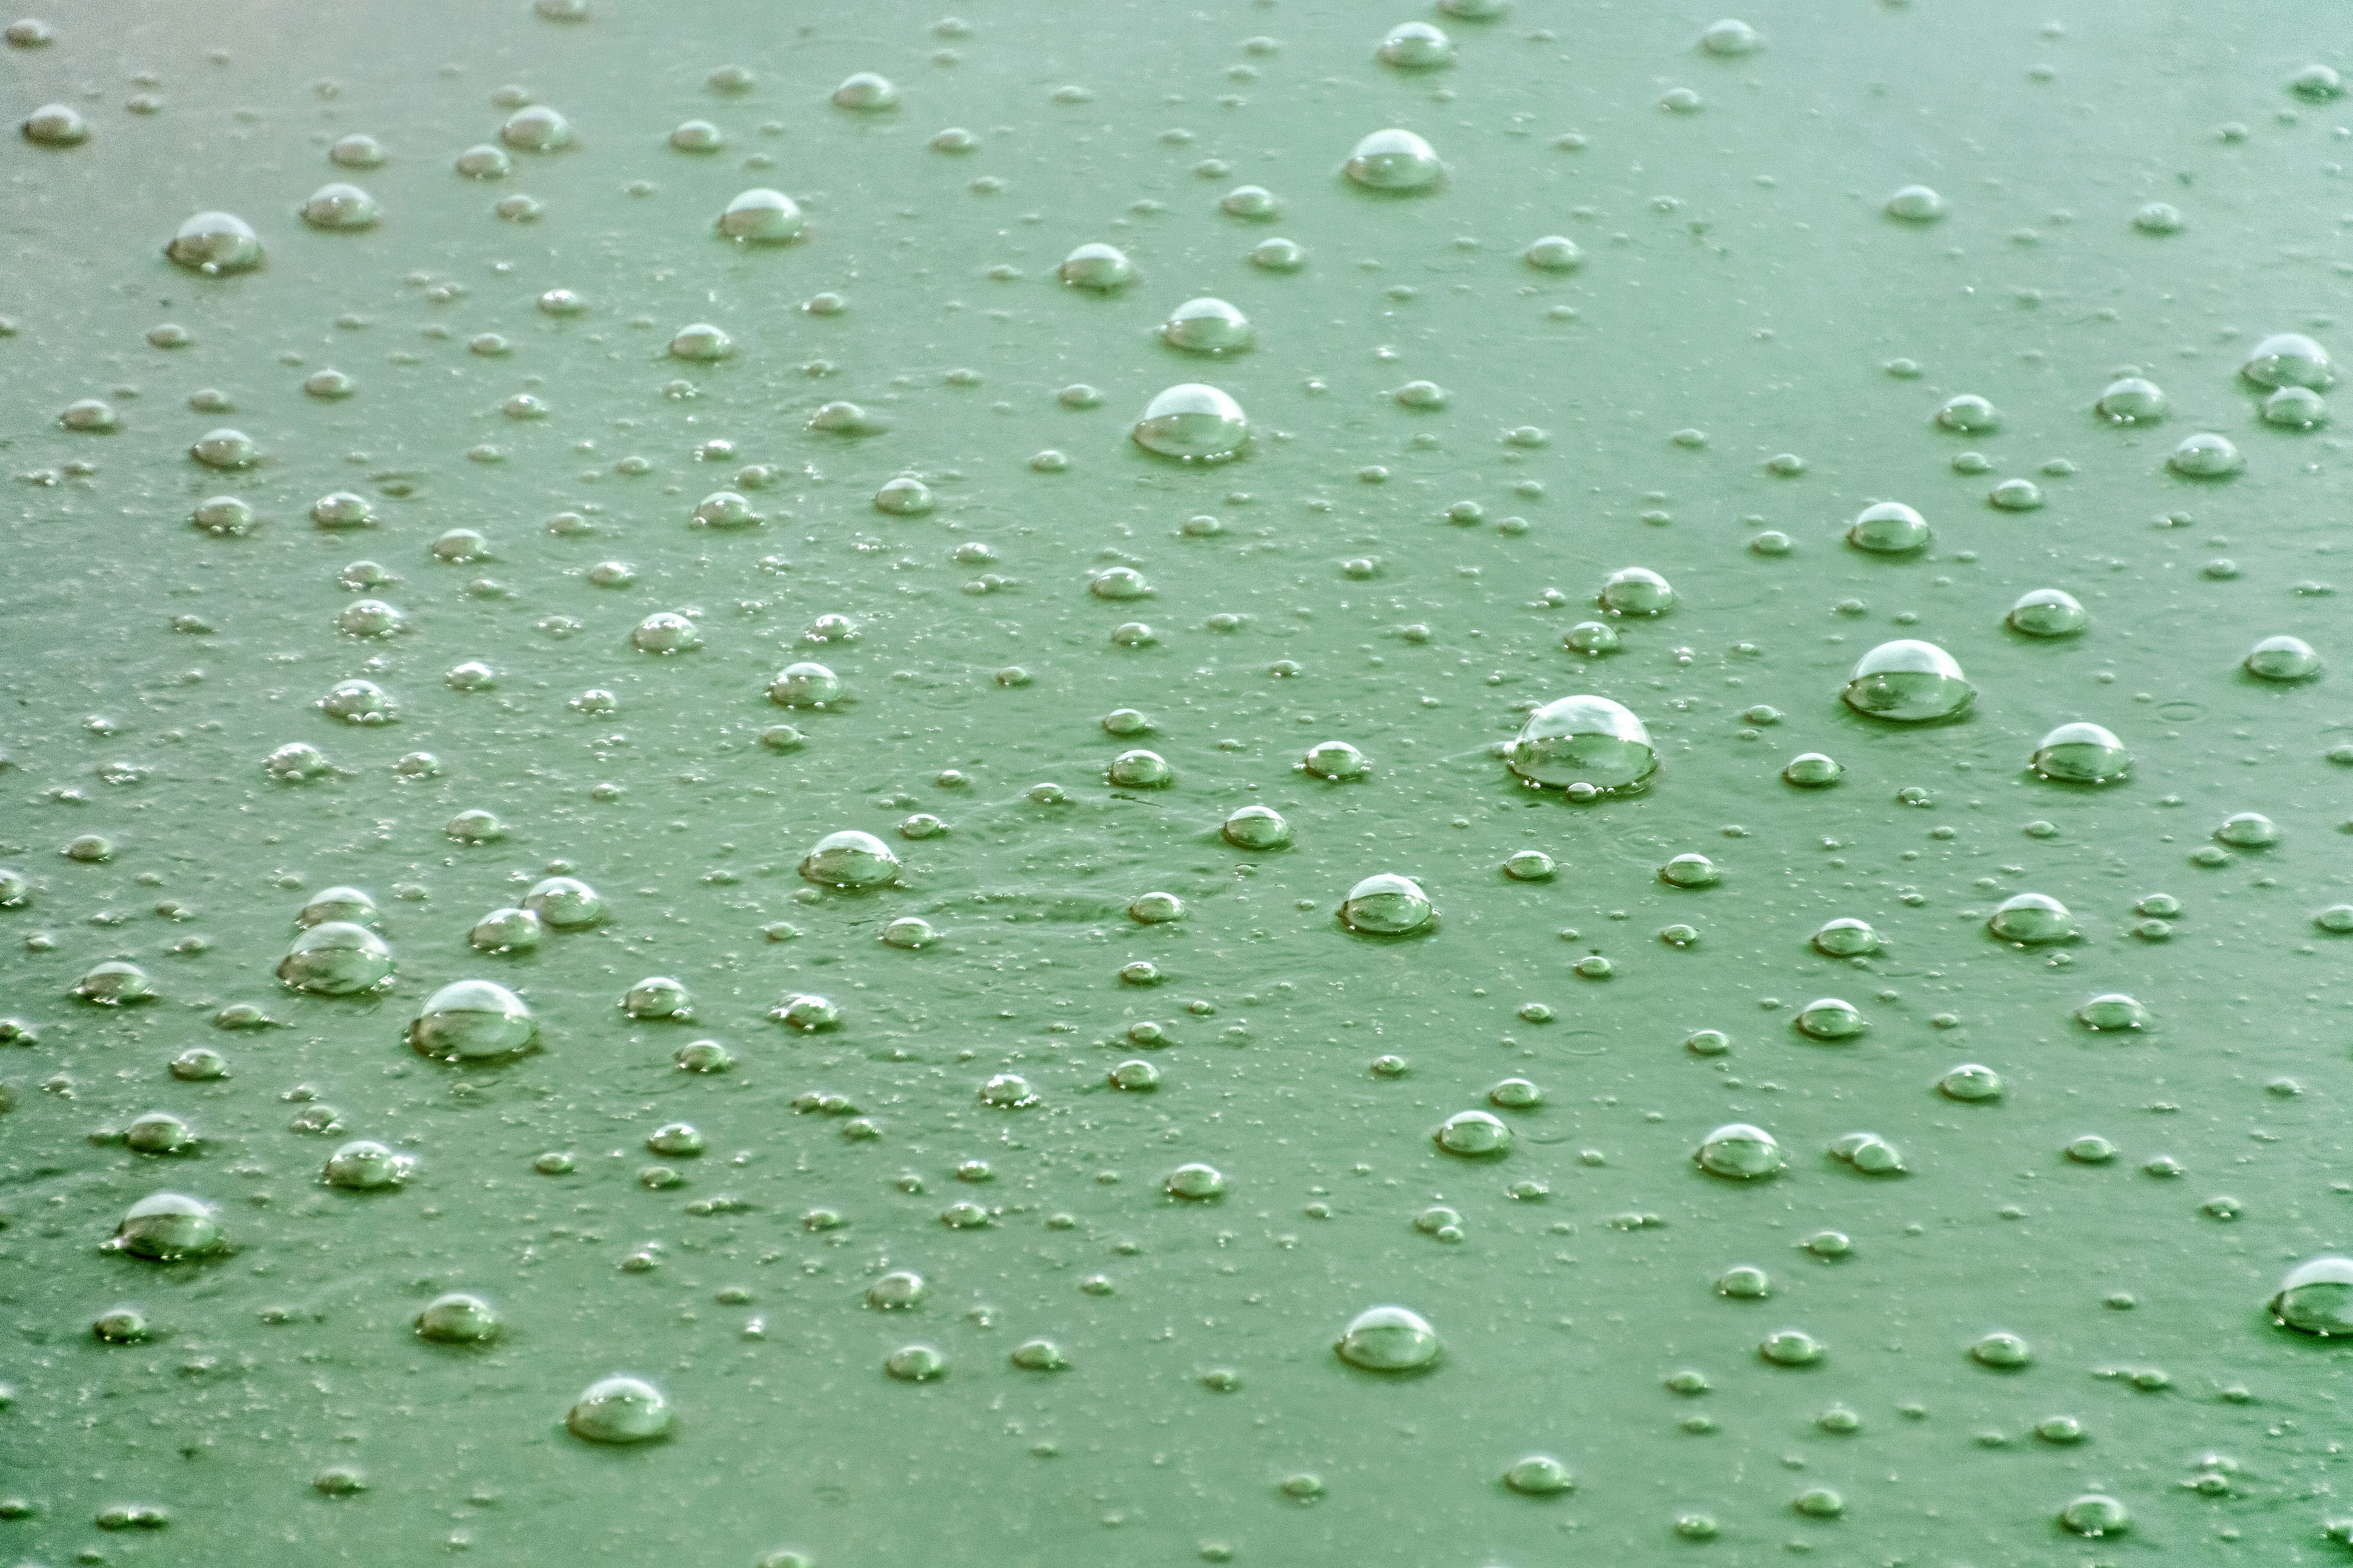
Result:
[
  {"x": 2283, "y": 659},
  {"x": 1098, "y": 267},
  {"x": 1970, "y": 1083},
  {"x": 1583, "y": 739},
  {"x": 214, "y": 243},
  {"x": 1393, "y": 160},
  {"x": 905, "y": 496},
  {"x": 1193, "y": 422},
  {"x": 2111, "y": 1012},
  {"x": 1813, "y": 770},
  {"x": 473, "y": 1020},
  {"x": 1415, "y": 45},
  {"x": 351, "y": 904},
  {"x": 366, "y": 1166},
  {"x": 55, "y": 125},
  {"x": 805, "y": 685},
  {"x": 2206, "y": 455},
  {"x": 1846, "y": 937},
  {"x": 166, "y": 1228},
  {"x": 2081, "y": 754},
  {"x": 697, "y": 136},
  {"x": 115, "y": 982},
  {"x": 1867, "y": 1152},
  {"x": 506, "y": 931},
  {"x": 564, "y": 903},
  {"x": 850, "y": 858},
  {"x": 1636, "y": 590},
  {"x": 458, "y": 1319},
  {"x": 537, "y": 129},
  {"x": 1731, "y": 39},
  {"x": 224, "y": 449},
  {"x": 1206, "y": 326},
  {"x": 2289, "y": 359},
  {"x": 158, "y": 1132},
  {"x": 2032, "y": 919},
  {"x": 658, "y": 996},
  {"x": 2248, "y": 830},
  {"x": 1690, "y": 871},
  {"x": 1386, "y": 904},
  {"x": 618, "y": 1410},
  {"x": 1554, "y": 252},
  {"x": 1908, "y": 681},
  {"x": 702, "y": 343},
  {"x": 1389, "y": 1339},
  {"x": 1740, "y": 1151},
  {"x": 1969, "y": 414},
  {"x": 1195, "y": 1181},
  {"x": 1889, "y": 528},
  {"x": 865, "y": 92},
  {"x": 1916, "y": 203},
  {"x": 2132, "y": 400},
  {"x": 337, "y": 958},
  {"x": 762, "y": 216},
  {"x": 665, "y": 631},
  {"x": 1474, "y": 1134},
  {"x": 2316, "y": 1298},
  {"x": 340, "y": 206},
  {"x": 1830, "y": 1018},
  {"x": 2295, "y": 408},
  {"x": 2096, "y": 1515},
  {"x": 1140, "y": 769},
  {"x": 358, "y": 703},
  {"x": 1256, "y": 829},
  {"x": 1538, "y": 1475},
  {"x": 1334, "y": 760},
  {"x": 2048, "y": 613}
]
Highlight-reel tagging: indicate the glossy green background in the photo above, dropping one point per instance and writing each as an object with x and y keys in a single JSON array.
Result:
[{"x": 1740, "y": 280}]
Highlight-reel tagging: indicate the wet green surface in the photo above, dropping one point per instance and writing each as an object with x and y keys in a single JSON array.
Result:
[{"x": 1397, "y": 577}]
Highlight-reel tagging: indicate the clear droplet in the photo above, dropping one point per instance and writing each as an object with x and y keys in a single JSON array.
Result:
[
  {"x": 618, "y": 1410},
  {"x": 1908, "y": 681},
  {"x": 762, "y": 216},
  {"x": 1393, "y": 160},
  {"x": 1389, "y": 1339},
  {"x": 2081, "y": 754},
  {"x": 850, "y": 858},
  {"x": 1195, "y": 423},
  {"x": 215, "y": 242},
  {"x": 1889, "y": 528},
  {"x": 2048, "y": 613},
  {"x": 1740, "y": 1151},
  {"x": 1386, "y": 904},
  {"x": 473, "y": 1020},
  {"x": 337, "y": 958},
  {"x": 1583, "y": 741}
]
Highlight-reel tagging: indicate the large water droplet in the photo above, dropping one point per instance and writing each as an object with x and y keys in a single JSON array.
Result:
[
  {"x": 1740, "y": 1151},
  {"x": 1416, "y": 46},
  {"x": 2289, "y": 359},
  {"x": 1205, "y": 326},
  {"x": 865, "y": 92},
  {"x": 2081, "y": 754},
  {"x": 2316, "y": 1298},
  {"x": 167, "y": 1227},
  {"x": 538, "y": 128},
  {"x": 2131, "y": 400},
  {"x": 1583, "y": 741},
  {"x": 1474, "y": 1134},
  {"x": 215, "y": 242},
  {"x": 850, "y": 858},
  {"x": 458, "y": 1319},
  {"x": 1889, "y": 528},
  {"x": 337, "y": 958},
  {"x": 1908, "y": 681},
  {"x": 619, "y": 1410},
  {"x": 1256, "y": 827},
  {"x": 1389, "y": 1339},
  {"x": 1193, "y": 422},
  {"x": 1097, "y": 266},
  {"x": 338, "y": 206},
  {"x": 805, "y": 685},
  {"x": 762, "y": 216},
  {"x": 366, "y": 1166},
  {"x": 2048, "y": 613},
  {"x": 473, "y": 1020},
  {"x": 1393, "y": 160},
  {"x": 1386, "y": 904},
  {"x": 2206, "y": 455},
  {"x": 564, "y": 903},
  {"x": 2283, "y": 659}
]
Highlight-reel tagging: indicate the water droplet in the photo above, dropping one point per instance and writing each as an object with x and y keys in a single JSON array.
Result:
[
  {"x": 337, "y": 958},
  {"x": 1730, "y": 39},
  {"x": 805, "y": 685},
  {"x": 1889, "y": 528},
  {"x": 1529, "y": 866},
  {"x": 762, "y": 216},
  {"x": 225, "y": 449},
  {"x": 57, "y": 125},
  {"x": 1387, "y": 904},
  {"x": 2295, "y": 408},
  {"x": 618, "y": 1410},
  {"x": 2283, "y": 659},
  {"x": 2131, "y": 400},
  {"x": 1583, "y": 741},
  {"x": 2205, "y": 456},
  {"x": 2316, "y": 1298},
  {"x": 538, "y": 128},
  {"x": 806, "y": 1012},
  {"x": 1916, "y": 203},
  {"x": 122, "y": 1326},
  {"x": 2003, "y": 1351},
  {"x": 337, "y": 205},
  {"x": 1908, "y": 681},
  {"x": 1829, "y": 1018},
  {"x": 364, "y": 1166},
  {"x": 113, "y": 983},
  {"x": 214, "y": 243},
  {"x": 2112, "y": 1011},
  {"x": 473, "y": 1020},
  {"x": 1690, "y": 871},
  {"x": 697, "y": 136},
  {"x": 1969, "y": 414},
  {"x": 1039, "y": 1356},
  {"x": 2289, "y": 359},
  {"x": 702, "y": 343},
  {"x": 1009, "y": 1092},
  {"x": 158, "y": 1132},
  {"x": 2248, "y": 830},
  {"x": 865, "y": 92},
  {"x": 2090, "y": 1150},
  {"x": 1744, "y": 1283},
  {"x": 2016, "y": 495},
  {"x": 1791, "y": 1347},
  {"x": 1846, "y": 938},
  {"x": 2081, "y": 754},
  {"x": 1257, "y": 828},
  {"x": 199, "y": 1065},
  {"x": 1514, "y": 1094},
  {"x": 484, "y": 162},
  {"x": 165, "y": 1227},
  {"x": 1393, "y": 160},
  {"x": 1334, "y": 760},
  {"x": 1278, "y": 255},
  {"x": 1813, "y": 770},
  {"x": 1193, "y": 422},
  {"x": 1389, "y": 1339},
  {"x": 2095, "y": 1515},
  {"x": 1636, "y": 590},
  {"x": 1256, "y": 203},
  {"x": 1867, "y": 1152},
  {"x": 1098, "y": 267},
  {"x": 2048, "y": 613},
  {"x": 1195, "y": 1181},
  {"x": 1740, "y": 1151},
  {"x": 850, "y": 858},
  {"x": 1970, "y": 1082},
  {"x": 1205, "y": 326}
]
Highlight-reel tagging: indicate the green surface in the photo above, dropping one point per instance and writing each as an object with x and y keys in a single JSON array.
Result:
[{"x": 1740, "y": 281}]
